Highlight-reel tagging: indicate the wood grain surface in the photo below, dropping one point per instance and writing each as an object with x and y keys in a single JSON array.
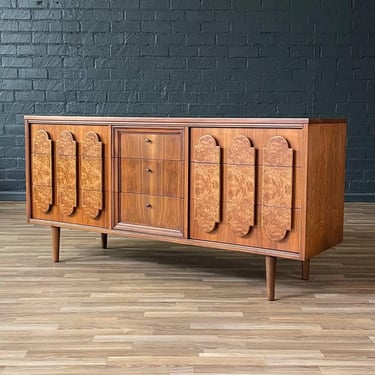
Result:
[
  {"x": 144, "y": 307},
  {"x": 241, "y": 185},
  {"x": 66, "y": 172},
  {"x": 42, "y": 171},
  {"x": 92, "y": 175},
  {"x": 206, "y": 183}
]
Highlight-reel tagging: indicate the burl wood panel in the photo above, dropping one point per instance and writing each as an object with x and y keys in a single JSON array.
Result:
[
  {"x": 42, "y": 171},
  {"x": 66, "y": 173},
  {"x": 241, "y": 185},
  {"x": 277, "y": 188},
  {"x": 92, "y": 175},
  {"x": 207, "y": 184}
]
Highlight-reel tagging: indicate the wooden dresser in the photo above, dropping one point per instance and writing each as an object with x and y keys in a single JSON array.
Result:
[{"x": 273, "y": 187}]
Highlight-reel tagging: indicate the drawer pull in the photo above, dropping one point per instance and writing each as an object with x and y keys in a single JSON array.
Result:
[
  {"x": 148, "y": 140},
  {"x": 148, "y": 205},
  {"x": 148, "y": 170}
]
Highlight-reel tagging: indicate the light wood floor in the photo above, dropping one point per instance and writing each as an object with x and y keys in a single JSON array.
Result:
[{"x": 144, "y": 307}]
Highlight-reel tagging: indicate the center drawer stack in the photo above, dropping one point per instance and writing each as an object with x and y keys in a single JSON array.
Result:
[{"x": 149, "y": 186}]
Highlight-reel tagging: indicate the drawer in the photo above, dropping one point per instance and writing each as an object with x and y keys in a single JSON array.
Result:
[
  {"x": 151, "y": 210},
  {"x": 150, "y": 145},
  {"x": 159, "y": 177}
]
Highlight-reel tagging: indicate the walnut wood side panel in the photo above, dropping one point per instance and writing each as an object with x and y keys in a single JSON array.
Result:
[
  {"x": 206, "y": 183},
  {"x": 42, "y": 171},
  {"x": 277, "y": 188},
  {"x": 241, "y": 185},
  {"x": 91, "y": 176},
  {"x": 66, "y": 172},
  {"x": 325, "y": 186}
]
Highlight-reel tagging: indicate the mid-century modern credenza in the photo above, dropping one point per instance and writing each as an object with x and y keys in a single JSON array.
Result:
[{"x": 267, "y": 186}]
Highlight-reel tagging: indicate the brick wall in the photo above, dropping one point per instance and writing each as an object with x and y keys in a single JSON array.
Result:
[{"x": 219, "y": 58}]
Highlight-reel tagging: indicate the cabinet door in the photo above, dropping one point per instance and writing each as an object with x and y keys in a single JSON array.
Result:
[
  {"x": 258, "y": 180},
  {"x": 149, "y": 180},
  {"x": 69, "y": 165}
]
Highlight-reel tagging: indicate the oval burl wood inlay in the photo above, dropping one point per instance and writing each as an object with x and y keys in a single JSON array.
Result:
[
  {"x": 66, "y": 169},
  {"x": 277, "y": 188},
  {"x": 241, "y": 185},
  {"x": 92, "y": 175},
  {"x": 42, "y": 171},
  {"x": 206, "y": 191}
]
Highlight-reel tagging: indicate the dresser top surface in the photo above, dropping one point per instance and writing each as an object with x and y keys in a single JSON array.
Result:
[{"x": 181, "y": 121}]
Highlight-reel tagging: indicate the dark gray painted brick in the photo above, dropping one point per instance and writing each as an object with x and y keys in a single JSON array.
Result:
[
  {"x": 155, "y": 26},
  {"x": 154, "y": 4},
  {"x": 19, "y": 84},
  {"x": 32, "y": 4},
  {"x": 15, "y": 37},
  {"x": 97, "y": 26},
  {"x": 183, "y": 4},
  {"x": 189, "y": 58},
  {"x": 169, "y": 15},
  {"x": 200, "y": 39},
  {"x": 216, "y": 4},
  {"x": 125, "y": 4},
  {"x": 95, "y": 4},
  {"x": 124, "y": 26},
  {"x": 139, "y": 15},
  {"x": 8, "y": 73},
  {"x": 8, "y": 50},
  {"x": 6, "y": 3},
  {"x": 217, "y": 27},
  {"x": 9, "y": 185},
  {"x": 200, "y": 16},
  {"x": 171, "y": 39},
  {"x": 154, "y": 51},
  {"x": 15, "y": 14},
  {"x": 50, "y": 14},
  {"x": 247, "y": 4},
  {"x": 48, "y": 84},
  {"x": 7, "y": 25},
  {"x": 6, "y": 96},
  {"x": 20, "y": 62},
  {"x": 186, "y": 27},
  {"x": 108, "y": 15}
]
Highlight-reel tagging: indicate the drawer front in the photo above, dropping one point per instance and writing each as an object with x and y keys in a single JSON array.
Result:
[
  {"x": 159, "y": 177},
  {"x": 151, "y": 145},
  {"x": 151, "y": 210}
]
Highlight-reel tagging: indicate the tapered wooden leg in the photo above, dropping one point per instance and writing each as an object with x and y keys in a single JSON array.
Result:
[
  {"x": 104, "y": 237},
  {"x": 270, "y": 277},
  {"x": 55, "y": 243},
  {"x": 305, "y": 269}
]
